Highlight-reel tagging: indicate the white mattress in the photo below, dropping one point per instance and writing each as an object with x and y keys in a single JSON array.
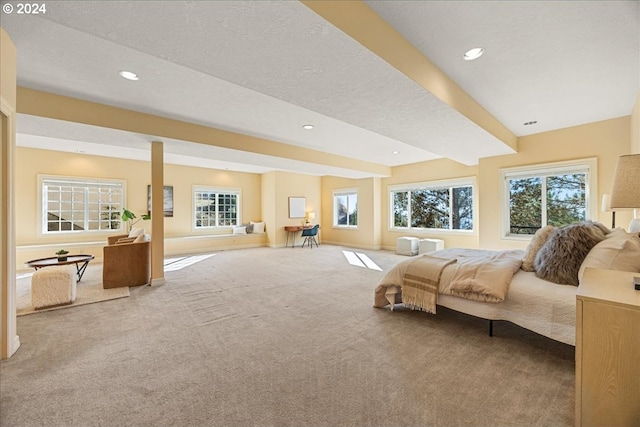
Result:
[{"x": 535, "y": 304}]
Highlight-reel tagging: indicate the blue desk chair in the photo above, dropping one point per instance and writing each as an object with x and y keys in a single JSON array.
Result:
[{"x": 309, "y": 235}]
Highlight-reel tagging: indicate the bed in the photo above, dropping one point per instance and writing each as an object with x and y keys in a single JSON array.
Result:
[{"x": 541, "y": 299}]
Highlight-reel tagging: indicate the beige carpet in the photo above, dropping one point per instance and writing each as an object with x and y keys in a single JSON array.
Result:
[
  {"x": 89, "y": 291},
  {"x": 279, "y": 337}
]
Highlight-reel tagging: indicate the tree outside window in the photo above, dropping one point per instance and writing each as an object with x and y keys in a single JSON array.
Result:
[
  {"x": 433, "y": 207},
  {"x": 558, "y": 200},
  {"x": 345, "y": 209}
]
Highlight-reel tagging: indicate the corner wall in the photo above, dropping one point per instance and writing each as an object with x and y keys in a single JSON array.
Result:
[
  {"x": 635, "y": 127},
  {"x": 8, "y": 63},
  {"x": 277, "y": 187},
  {"x": 604, "y": 140},
  {"x": 367, "y": 234},
  {"x": 433, "y": 170}
]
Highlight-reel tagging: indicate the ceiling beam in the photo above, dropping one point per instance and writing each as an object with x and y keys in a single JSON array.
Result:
[
  {"x": 45, "y": 104},
  {"x": 356, "y": 19}
]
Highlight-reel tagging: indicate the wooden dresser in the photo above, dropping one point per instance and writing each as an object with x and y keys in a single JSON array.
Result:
[{"x": 607, "y": 350}]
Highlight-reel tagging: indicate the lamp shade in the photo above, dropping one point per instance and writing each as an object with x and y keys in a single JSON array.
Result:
[
  {"x": 625, "y": 192},
  {"x": 312, "y": 215}
]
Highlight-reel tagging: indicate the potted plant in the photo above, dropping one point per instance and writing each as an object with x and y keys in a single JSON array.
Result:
[
  {"x": 62, "y": 255},
  {"x": 129, "y": 217}
]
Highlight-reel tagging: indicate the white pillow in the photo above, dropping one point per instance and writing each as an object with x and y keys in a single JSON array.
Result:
[
  {"x": 135, "y": 232},
  {"x": 258, "y": 227},
  {"x": 619, "y": 251},
  {"x": 141, "y": 238},
  {"x": 240, "y": 230}
]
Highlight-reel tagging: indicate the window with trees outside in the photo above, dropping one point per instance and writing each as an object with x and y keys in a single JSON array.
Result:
[
  {"x": 554, "y": 194},
  {"x": 442, "y": 205},
  {"x": 80, "y": 204},
  {"x": 215, "y": 207},
  {"x": 345, "y": 208}
]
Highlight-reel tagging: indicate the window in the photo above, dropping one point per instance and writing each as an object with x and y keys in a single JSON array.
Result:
[
  {"x": 345, "y": 208},
  {"x": 216, "y": 207},
  {"x": 442, "y": 205},
  {"x": 552, "y": 194},
  {"x": 80, "y": 204}
]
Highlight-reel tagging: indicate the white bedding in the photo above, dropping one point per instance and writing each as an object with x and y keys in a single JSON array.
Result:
[
  {"x": 541, "y": 306},
  {"x": 535, "y": 304}
]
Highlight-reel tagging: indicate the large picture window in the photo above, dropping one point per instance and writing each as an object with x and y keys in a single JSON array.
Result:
[
  {"x": 345, "y": 208},
  {"x": 80, "y": 204},
  {"x": 442, "y": 205},
  {"x": 216, "y": 207},
  {"x": 553, "y": 194}
]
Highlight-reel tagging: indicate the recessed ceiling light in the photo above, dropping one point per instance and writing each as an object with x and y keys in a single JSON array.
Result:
[
  {"x": 532, "y": 122},
  {"x": 128, "y": 75},
  {"x": 474, "y": 53},
  {"x": 394, "y": 152},
  {"x": 307, "y": 126}
]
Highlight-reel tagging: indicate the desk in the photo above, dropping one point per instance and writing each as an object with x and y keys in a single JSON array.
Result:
[
  {"x": 294, "y": 229},
  {"x": 81, "y": 262}
]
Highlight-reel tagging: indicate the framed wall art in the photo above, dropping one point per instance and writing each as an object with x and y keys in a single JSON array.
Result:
[
  {"x": 297, "y": 207},
  {"x": 167, "y": 196}
]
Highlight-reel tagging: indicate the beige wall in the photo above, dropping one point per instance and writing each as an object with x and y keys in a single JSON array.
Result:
[
  {"x": 604, "y": 140},
  {"x": 137, "y": 174},
  {"x": 367, "y": 234},
  {"x": 265, "y": 197},
  {"x": 281, "y": 186},
  {"x": 635, "y": 127},
  {"x": 422, "y": 172}
]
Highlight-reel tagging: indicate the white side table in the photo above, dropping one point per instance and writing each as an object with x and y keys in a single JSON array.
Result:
[
  {"x": 407, "y": 246},
  {"x": 430, "y": 245}
]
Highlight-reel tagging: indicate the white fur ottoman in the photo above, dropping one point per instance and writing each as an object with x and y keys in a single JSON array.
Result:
[{"x": 51, "y": 286}]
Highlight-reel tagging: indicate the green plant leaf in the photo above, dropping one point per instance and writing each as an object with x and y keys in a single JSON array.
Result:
[{"x": 127, "y": 215}]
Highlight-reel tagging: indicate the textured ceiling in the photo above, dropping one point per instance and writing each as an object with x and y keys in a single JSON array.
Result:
[{"x": 266, "y": 68}]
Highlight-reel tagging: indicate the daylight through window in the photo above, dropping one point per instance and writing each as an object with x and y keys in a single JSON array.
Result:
[
  {"x": 215, "y": 208},
  {"x": 345, "y": 208},
  {"x": 441, "y": 206},
  {"x": 551, "y": 195},
  {"x": 80, "y": 204}
]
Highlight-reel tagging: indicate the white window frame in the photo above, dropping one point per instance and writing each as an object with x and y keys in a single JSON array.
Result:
[
  {"x": 587, "y": 165},
  {"x": 469, "y": 181},
  {"x": 43, "y": 229},
  {"x": 218, "y": 190},
  {"x": 343, "y": 192}
]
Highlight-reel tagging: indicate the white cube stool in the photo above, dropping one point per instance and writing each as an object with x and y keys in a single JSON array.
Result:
[
  {"x": 52, "y": 286},
  {"x": 407, "y": 246},
  {"x": 430, "y": 245}
]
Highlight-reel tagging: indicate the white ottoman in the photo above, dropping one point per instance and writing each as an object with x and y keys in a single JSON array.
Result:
[
  {"x": 407, "y": 246},
  {"x": 429, "y": 245},
  {"x": 52, "y": 286}
]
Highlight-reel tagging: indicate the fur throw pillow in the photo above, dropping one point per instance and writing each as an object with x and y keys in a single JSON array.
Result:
[
  {"x": 560, "y": 258},
  {"x": 538, "y": 239}
]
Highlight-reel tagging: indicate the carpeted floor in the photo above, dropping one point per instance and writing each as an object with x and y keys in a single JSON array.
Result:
[
  {"x": 88, "y": 291},
  {"x": 279, "y": 337}
]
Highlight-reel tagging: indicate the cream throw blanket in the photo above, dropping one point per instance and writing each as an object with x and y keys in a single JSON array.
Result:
[
  {"x": 420, "y": 283},
  {"x": 476, "y": 274}
]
